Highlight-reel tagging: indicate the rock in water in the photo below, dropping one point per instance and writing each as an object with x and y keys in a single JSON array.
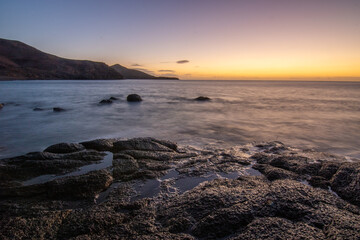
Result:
[
  {"x": 202, "y": 98},
  {"x": 133, "y": 98},
  {"x": 1, "y": 105},
  {"x": 106, "y": 101},
  {"x": 58, "y": 109},
  {"x": 113, "y": 98},
  {"x": 38, "y": 109}
]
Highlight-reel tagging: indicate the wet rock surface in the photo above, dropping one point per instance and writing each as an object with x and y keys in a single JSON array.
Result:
[
  {"x": 202, "y": 98},
  {"x": 134, "y": 98},
  {"x": 154, "y": 189}
]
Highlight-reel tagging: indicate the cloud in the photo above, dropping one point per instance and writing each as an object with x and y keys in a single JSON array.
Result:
[
  {"x": 136, "y": 65},
  {"x": 182, "y": 61},
  {"x": 166, "y": 71}
]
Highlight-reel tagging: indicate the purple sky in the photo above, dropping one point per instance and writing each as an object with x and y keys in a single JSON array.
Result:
[{"x": 227, "y": 39}]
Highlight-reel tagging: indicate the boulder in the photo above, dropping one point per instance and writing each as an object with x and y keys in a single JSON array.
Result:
[
  {"x": 65, "y": 148},
  {"x": 99, "y": 144},
  {"x": 143, "y": 144},
  {"x": 123, "y": 165},
  {"x": 346, "y": 182},
  {"x": 133, "y": 98},
  {"x": 202, "y": 98},
  {"x": 79, "y": 187}
]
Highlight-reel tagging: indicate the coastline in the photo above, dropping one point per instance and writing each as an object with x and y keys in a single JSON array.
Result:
[{"x": 157, "y": 189}]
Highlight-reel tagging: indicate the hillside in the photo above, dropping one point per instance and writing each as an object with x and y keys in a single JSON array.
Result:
[{"x": 21, "y": 61}]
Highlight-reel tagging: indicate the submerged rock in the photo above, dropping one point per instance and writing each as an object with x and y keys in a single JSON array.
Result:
[
  {"x": 58, "y": 109},
  {"x": 113, "y": 98},
  {"x": 105, "y": 101},
  {"x": 134, "y": 98},
  {"x": 202, "y": 98}
]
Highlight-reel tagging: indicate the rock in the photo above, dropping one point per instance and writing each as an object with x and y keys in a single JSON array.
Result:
[
  {"x": 346, "y": 182},
  {"x": 99, "y": 144},
  {"x": 143, "y": 144},
  {"x": 202, "y": 98},
  {"x": 65, "y": 148},
  {"x": 133, "y": 98},
  {"x": 35, "y": 164},
  {"x": 38, "y": 109},
  {"x": 223, "y": 207},
  {"x": 278, "y": 228},
  {"x": 113, "y": 98},
  {"x": 274, "y": 173},
  {"x": 78, "y": 187},
  {"x": 58, "y": 109},
  {"x": 1, "y": 105},
  {"x": 105, "y": 101},
  {"x": 123, "y": 165}
]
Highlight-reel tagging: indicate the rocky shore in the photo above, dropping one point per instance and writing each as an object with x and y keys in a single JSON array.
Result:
[{"x": 146, "y": 188}]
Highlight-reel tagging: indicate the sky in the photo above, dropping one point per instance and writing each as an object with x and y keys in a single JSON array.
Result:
[{"x": 197, "y": 39}]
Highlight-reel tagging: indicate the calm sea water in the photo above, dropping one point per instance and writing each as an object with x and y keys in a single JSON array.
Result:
[{"x": 320, "y": 115}]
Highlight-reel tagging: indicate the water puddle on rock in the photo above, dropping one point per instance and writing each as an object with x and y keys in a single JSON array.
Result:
[
  {"x": 173, "y": 182},
  {"x": 105, "y": 163}
]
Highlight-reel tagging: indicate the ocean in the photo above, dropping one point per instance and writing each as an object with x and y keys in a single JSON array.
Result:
[{"x": 324, "y": 116}]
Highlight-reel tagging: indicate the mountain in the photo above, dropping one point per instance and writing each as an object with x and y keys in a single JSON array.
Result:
[
  {"x": 21, "y": 61},
  {"x": 136, "y": 74}
]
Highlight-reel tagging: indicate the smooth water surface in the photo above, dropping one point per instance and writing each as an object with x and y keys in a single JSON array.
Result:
[{"x": 320, "y": 115}]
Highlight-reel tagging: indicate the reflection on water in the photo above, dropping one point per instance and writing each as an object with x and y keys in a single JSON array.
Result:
[{"x": 322, "y": 115}]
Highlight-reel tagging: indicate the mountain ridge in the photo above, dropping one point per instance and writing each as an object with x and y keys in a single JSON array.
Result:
[{"x": 19, "y": 61}]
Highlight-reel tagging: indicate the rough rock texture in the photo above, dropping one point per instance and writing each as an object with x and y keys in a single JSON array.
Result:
[
  {"x": 65, "y": 148},
  {"x": 140, "y": 197},
  {"x": 133, "y": 98},
  {"x": 99, "y": 144}
]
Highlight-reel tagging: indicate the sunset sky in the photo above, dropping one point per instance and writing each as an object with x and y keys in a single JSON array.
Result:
[{"x": 197, "y": 39}]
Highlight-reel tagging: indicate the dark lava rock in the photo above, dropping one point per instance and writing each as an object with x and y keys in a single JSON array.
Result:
[
  {"x": 105, "y": 101},
  {"x": 38, "y": 109},
  {"x": 78, "y": 187},
  {"x": 236, "y": 207},
  {"x": 58, "y": 109},
  {"x": 91, "y": 206},
  {"x": 346, "y": 182},
  {"x": 65, "y": 148},
  {"x": 143, "y": 144},
  {"x": 113, "y": 98},
  {"x": 35, "y": 164},
  {"x": 133, "y": 98},
  {"x": 100, "y": 144},
  {"x": 202, "y": 98}
]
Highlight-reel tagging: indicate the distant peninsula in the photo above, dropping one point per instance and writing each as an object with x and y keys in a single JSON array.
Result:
[
  {"x": 136, "y": 74},
  {"x": 19, "y": 61}
]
